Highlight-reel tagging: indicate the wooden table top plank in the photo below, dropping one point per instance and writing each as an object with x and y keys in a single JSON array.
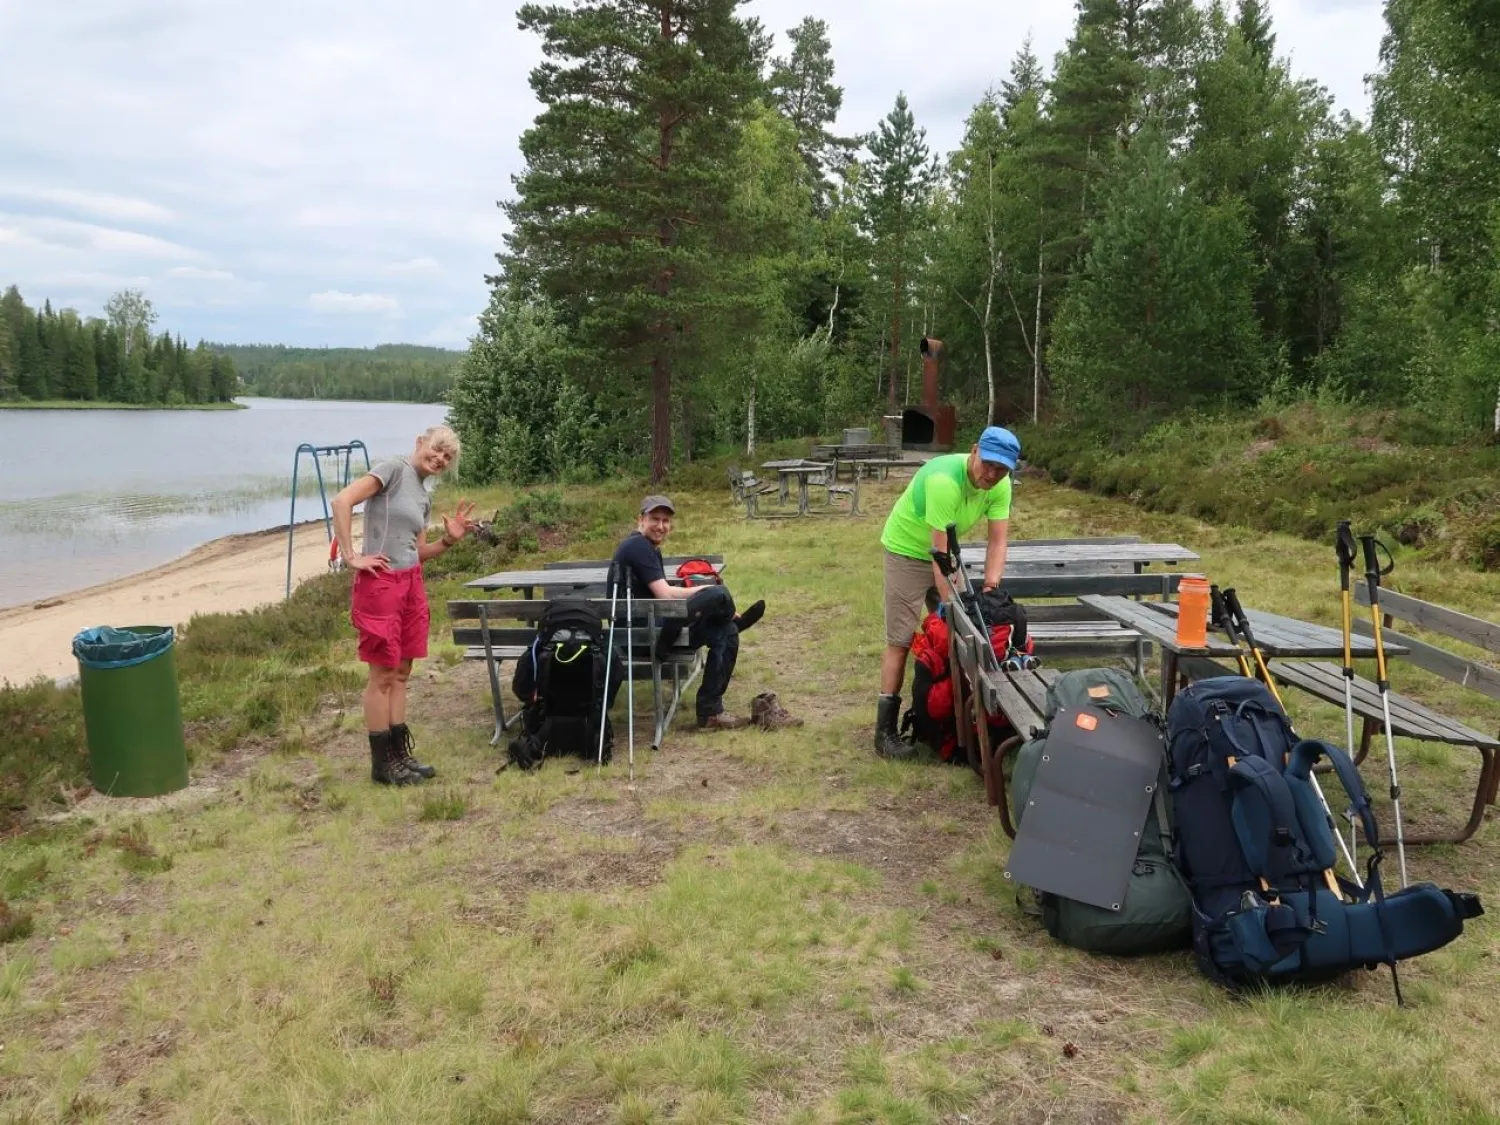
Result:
[
  {"x": 1158, "y": 627},
  {"x": 1290, "y": 637},
  {"x": 1075, "y": 554}
]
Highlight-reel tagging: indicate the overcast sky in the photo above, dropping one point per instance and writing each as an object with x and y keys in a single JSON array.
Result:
[{"x": 325, "y": 171}]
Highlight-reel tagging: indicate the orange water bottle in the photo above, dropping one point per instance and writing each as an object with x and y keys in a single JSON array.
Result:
[{"x": 1192, "y": 611}]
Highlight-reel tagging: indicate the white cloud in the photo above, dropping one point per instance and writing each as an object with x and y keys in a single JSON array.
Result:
[
  {"x": 67, "y": 234},
  {"x": 117, "y": 208},
  {"x": 412, "y": 266},
  {"x": 198, "y": 273},
  {"x": 335, "y": 301},
  {"x": 342, "y": 142}
]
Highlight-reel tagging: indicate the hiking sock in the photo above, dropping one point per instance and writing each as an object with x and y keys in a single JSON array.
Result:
[{"x": 751, "y": 615}]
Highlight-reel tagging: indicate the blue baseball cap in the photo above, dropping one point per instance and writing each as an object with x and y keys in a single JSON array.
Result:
[{"x": 999, "y": 445}]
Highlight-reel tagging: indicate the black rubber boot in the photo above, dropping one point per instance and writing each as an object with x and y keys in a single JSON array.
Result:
[
  {"x": 888, "y": 740},
  {"x": 387, "y": 766},
  {"x": 402, "y": 744}
]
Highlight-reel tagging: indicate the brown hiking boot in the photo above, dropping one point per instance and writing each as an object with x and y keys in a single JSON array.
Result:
[
  {"x": 768, "y": 713},
  {"x": 722, "y": 721}
]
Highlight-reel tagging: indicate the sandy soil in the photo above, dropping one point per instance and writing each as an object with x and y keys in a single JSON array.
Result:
[{"x": 226, "y": 575}]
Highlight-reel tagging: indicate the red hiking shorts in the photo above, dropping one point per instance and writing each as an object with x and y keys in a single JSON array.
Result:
[{"x": 389, "y": 611}]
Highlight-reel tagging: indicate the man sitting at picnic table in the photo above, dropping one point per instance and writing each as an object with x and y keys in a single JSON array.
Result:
[
  {"x": 959, "y": 489},
  {"x": 709, "y": 613}
]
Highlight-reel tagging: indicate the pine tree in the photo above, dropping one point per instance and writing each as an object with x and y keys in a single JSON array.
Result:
[
  {"x": 1161, "y": 317},
  {"x": 803, "y": 90},
  {"x": 628, "y": 179},
  {"x": 9, "y": 387},
  {"x": 80, "y": 373},
  {"x": 1253, "y": 23},
  {"x": 895, "y": 188}
]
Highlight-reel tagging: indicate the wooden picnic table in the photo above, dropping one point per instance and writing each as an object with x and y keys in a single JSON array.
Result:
[
  {"x": 1079, "y": 558},
  {"x": 1281, "y": 636},
  {"x": 800, "y": 471},
  {"x": 559, "y": 579}
]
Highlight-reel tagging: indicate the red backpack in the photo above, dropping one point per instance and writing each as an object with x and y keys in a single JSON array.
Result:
[
  {"x": 930, "y": 717},
  {"x": 701, "y": 569}
]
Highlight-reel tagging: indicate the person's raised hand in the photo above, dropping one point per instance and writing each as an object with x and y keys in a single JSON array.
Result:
[{"x": 461, "y": 522}]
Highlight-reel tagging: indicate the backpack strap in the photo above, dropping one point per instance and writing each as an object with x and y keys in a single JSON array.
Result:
[
  {"x": 1299, "y": 776},
  {"x": 1265, "y": 821}
]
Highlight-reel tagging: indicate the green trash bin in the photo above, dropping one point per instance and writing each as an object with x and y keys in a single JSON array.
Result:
[{"x": 131, "y": 713}]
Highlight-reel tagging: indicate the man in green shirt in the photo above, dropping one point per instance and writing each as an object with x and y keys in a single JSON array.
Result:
[{"x": 959, "y": 489}]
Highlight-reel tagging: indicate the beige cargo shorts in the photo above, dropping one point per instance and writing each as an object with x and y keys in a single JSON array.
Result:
[{"x": 906, "y": 584}]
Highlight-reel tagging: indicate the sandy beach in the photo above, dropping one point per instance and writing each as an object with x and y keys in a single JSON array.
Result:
[{"x": 230, "y": 574}]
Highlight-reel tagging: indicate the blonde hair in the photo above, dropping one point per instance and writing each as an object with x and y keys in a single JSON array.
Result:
[{"x": 441, "y": 438}]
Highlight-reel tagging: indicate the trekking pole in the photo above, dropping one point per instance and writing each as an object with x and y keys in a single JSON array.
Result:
[
  {"x": 1344, "y": 548},
  {"x": 629, "y": 673},
  {"x": 1241, "y": 621},
  {"x": 609, "y": 653},
  {"x": 1382, "y": 680}
]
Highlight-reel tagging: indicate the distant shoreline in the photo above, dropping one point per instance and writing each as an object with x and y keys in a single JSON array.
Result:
[{"x": 94, "y": 404}]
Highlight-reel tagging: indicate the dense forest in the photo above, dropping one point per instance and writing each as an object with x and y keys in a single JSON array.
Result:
[
  {"x": 48, "y": 355},
  {"x": 388, "y": 373},
  {"x": 1164, "y": 221}
]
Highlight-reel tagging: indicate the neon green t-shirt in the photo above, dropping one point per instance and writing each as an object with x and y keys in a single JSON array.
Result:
[{"x": 938, "y": 495}]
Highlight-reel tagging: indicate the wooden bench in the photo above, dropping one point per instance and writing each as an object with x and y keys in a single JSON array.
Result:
[
  {"x": 1071, "y": 629},
  {"x": 479, "y": 629},
  {"x": 1410, "y": 719},
  {"x": 984, "y": 691},
  {"x": 751, "y": 492}
]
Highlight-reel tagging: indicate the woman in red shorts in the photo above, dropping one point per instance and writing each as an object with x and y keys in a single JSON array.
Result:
[{"x": 389, "y": 608}]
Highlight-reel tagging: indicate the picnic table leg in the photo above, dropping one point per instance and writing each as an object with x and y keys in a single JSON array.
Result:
[
  {"x": 1168, "y": 677},
  {"x": 1001, "y": 800},
  {"x": 988, "y": 766},
  {"x": 786, "y": 487},
  {"x": 802, "y": 494}
]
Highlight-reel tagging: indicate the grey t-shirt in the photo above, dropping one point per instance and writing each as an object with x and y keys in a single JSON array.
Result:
[{"x": 396, "y": 516}]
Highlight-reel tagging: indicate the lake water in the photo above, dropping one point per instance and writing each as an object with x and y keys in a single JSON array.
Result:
[{"x": 87, "y": 496}]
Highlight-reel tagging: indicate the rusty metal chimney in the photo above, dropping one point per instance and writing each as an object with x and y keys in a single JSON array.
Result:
[
  {"x": 932, "y": 358},
  {"x": 929, "y": 425}
]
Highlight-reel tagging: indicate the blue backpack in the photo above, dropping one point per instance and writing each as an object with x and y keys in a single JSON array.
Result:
[{"x": 1256, "y": 847}]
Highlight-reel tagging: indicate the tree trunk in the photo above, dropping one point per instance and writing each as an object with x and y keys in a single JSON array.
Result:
[
  {"x": 989, "y": 358},
  {"x": 1036, "y": 343},
  {"x": 661, "y": 416},
  {"x": 750, "y": 420},
  {"x": 895, "y": 334}
]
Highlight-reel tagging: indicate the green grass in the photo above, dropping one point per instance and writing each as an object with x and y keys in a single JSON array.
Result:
[
  {"x": 1299, "y": 470},
  {"x": 764, "y": 928}
]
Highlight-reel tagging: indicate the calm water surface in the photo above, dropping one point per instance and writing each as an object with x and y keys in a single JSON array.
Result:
[{"x": 91, "y": 495}]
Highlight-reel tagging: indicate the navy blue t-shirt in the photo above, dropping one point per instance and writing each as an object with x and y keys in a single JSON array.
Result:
[{"x": 644, "y": 561}]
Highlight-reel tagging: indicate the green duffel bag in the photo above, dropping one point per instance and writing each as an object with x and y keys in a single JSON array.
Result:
[{"x": 1157, "y": 912}]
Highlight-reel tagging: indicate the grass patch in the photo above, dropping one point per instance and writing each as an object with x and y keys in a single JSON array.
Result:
[
  {"x": 1298, "y": 470},
  {"x": 766, "y": 928},
  {"x": 447, "y": 804}
]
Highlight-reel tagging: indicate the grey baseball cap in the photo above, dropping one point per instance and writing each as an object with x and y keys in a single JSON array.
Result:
[{"x": 654, "y": 501}]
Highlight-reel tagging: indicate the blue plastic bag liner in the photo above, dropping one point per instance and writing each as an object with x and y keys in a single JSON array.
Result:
[{"x": 107, "y": 647}]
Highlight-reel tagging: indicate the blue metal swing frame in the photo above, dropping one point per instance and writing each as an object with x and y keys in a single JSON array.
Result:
[{"x": 318, "y": 452}]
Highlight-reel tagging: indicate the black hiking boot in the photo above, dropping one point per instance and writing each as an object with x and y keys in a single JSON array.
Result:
[
  {"x": 888, "y": 740},
  {"x": 387, "y": 765},
  {"x": 402, "y": 745}
]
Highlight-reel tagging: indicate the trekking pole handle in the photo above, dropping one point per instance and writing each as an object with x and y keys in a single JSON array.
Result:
[
  {"x": 1345, "y": 547},
  {"x": 1373, "y": 570},
  {"x": 1237, "y": 611},
  {"x": 1220, "y": 612}
]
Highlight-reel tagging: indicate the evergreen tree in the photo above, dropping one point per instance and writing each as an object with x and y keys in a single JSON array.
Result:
[
  {"x": 803, "y": 90},
  {"x": 895, "y": 189},
  {"x": 9, "y": 386},
  {"x": 1161, "y": 317},
  {"x": 628, "y": 180},
  {"x": 80, "y": 374},
  {"x": 107, "y": 356}
]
